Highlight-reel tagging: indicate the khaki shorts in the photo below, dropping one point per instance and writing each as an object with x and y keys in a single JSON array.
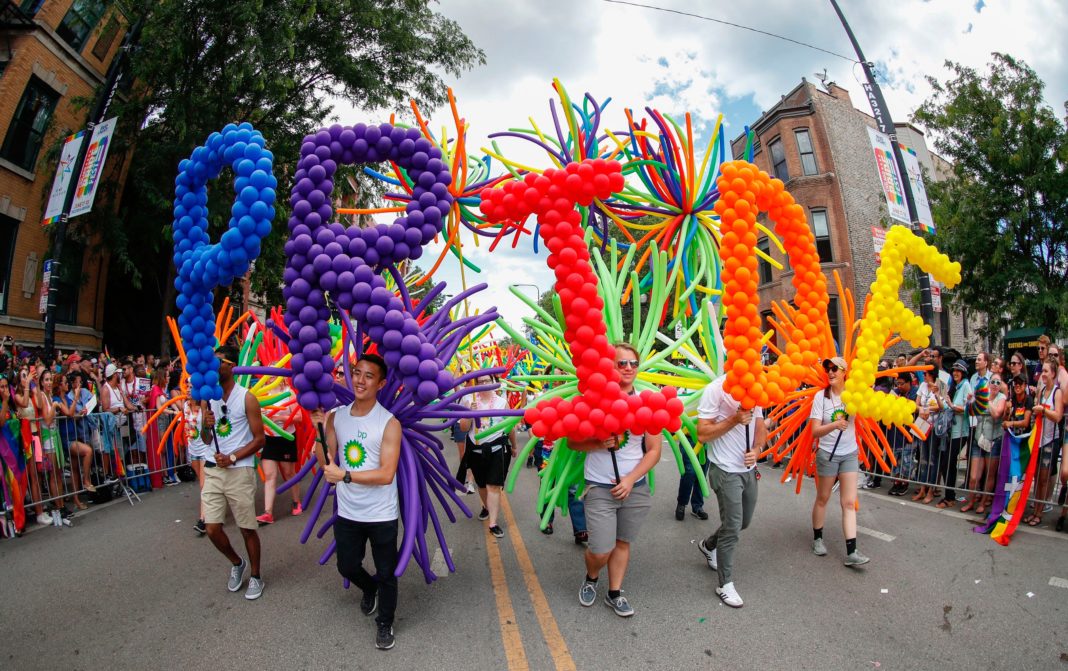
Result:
[
  {"x": 609, "y": 519},
  {"x": 232, "y": 486}
]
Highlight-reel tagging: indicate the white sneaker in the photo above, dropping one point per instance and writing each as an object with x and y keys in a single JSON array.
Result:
[
  {"x": 470, "y": 488},
  {"x": 818, "y": 547},
  {"x": 710, "y": 555},
  {"x": 45, "y": 520},
  {"x": 729, "y": 595}
]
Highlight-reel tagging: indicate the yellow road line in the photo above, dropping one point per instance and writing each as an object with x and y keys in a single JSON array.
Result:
[
  {"x": 549, "y": 629},
  {"x": 513, "y": 642}
]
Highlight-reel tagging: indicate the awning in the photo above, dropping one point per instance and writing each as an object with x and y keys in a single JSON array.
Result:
[{"x": 1021, "y": 338}]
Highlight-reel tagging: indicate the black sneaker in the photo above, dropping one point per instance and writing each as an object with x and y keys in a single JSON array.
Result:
[
  {"x": 496, "y": 531},
  {"x": 582, "y": 538},
  {"x": 200, "y": 528},
  {"x": 699, "y": 514},
  {"x": 680, "y": 512},
  {"x": 369, "y": 603},
  {"x": 484, "y": 515},
  {"x": 548, "y": 530},
  {"x": 384, "y": 639}
]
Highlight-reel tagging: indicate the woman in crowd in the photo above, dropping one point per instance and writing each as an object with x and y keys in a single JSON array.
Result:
[
  {"x": 836, "y": 458},
  {"x": 989, "y": 439},
  {"x": 1017, "y": 366},
  {"x": 278, "y": 455},
  {"x": 929, "y": 402},
  {"x": 1049, "y": 409},
  {"x": 36, "y": 409},
  {"x": 1055, "y": 350},
  {"x": 960, "y": 397},
  {"x": 73, "y": 444},
  {"x": 157, "y": 396},
  {"x": 488, "y": 456}
]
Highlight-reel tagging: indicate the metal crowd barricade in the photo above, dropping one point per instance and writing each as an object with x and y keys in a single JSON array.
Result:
[
  {"x": 105, "y": 450},
  {"x": 924, "y": 469}
]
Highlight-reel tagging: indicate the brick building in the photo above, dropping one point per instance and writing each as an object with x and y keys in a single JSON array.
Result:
[
  {"x": 818, "y": 144},
  {"x": 52, "y": 52}
]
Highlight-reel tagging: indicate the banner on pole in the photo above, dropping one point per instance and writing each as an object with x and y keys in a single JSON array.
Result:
[
  {"x": 936, "y": 294},
  {"x": 63, "y": 175},
  {"x": 46, "y": 279},
  {"x": 93, "y": 168},
  {"x": 878, "y": 239},
  {"x": 919, "y": 193},
  {"x": 893, "y": 190}
]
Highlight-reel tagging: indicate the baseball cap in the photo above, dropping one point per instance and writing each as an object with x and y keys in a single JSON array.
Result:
[
  {"x": 110, "y": 370},
  {"x": 837, "y": 361}
]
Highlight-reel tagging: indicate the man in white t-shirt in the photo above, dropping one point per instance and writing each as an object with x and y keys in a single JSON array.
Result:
[
  {"x": 734, "y": 437},
  {"x": 233, "y": 428},
  {"x": 364, "y": 472}
]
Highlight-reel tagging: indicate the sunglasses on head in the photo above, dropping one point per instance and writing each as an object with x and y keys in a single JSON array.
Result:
[{"x": 627, "y": 363}]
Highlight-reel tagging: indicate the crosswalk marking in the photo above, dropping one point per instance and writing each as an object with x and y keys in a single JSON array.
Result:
[{"x": 876, "y": 534}]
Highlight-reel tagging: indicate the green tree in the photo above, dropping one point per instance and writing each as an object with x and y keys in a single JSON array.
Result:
[
  {"x": 280, "y": 65},
  {"x": 1003, "y": 213}
]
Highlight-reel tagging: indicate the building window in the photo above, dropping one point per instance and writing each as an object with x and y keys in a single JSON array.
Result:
[
  {"x": 106, "y": 39},
  {"x": 80, "y": 20},
  {"x": 778, "y": 159},
  {"x": 822, "y": 231},
  {"x": 31, "y": 7},
  {"x": 26, "y": 133},
  {"x": 9, "y": 229},
  {"x": 832, "y": 320},
  {"x": 764, "y": 267},
  {"x": 804, "y": 149},
  {"x": 68, "y": 281}
]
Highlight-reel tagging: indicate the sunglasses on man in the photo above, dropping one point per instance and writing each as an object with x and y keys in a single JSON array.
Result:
[{"x": 627, "y": 363}]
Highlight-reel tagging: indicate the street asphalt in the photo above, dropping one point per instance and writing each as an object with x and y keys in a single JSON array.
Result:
[{"x": 132, "y": 587}]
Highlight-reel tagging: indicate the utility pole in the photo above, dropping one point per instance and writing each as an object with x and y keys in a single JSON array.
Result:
[
  {"x": 100, "y": 109},
  {"x": 886, "y": 126}
]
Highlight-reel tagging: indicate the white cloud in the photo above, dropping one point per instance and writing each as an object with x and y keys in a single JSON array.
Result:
[{"x": 640, "y": 57}]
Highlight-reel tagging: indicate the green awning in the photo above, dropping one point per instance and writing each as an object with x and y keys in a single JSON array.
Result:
[{"x": 1018, "y": 338}]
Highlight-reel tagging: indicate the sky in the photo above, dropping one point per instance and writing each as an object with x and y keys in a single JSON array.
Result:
[{"x": 645, "y": 58}]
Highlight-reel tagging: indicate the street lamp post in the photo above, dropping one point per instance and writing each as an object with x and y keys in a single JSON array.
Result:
[
  {"x": 886, "y": 126},
  {"x": 532, "y": 286}
]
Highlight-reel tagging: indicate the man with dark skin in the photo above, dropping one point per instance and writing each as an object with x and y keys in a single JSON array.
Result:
[{"x": 234, "y": 427}]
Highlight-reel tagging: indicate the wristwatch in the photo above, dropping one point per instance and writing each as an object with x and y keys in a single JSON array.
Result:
[{"x": 348, "y": 478}]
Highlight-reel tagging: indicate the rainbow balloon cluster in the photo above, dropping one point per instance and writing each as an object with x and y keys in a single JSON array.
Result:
[
  {"x": 887, "y": 314},
  {"x": 202, "y": 266}
]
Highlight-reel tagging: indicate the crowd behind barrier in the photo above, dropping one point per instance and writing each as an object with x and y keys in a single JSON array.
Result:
[{"x": 80, "y": 424}]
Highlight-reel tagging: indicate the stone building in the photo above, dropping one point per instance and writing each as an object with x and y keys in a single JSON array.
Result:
[
  {"x": 52, "y": 52},
  {"x": 817, "y": 142}
]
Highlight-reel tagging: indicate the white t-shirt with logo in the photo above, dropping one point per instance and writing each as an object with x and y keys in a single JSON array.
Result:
[
  {"x": 727, "y": 451},
  {"x": 599, "y": 470},
  {"x": 196, "y": 447},
  {"x": 829, "y": 410},
  {"x": 359, "y": 443},
  {"x": 231, "y": 427}
]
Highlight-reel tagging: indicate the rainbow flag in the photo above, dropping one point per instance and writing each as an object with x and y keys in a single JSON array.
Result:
[
  {"x": 1016, "y": 474},
  {"x": 13, "y": 473}
]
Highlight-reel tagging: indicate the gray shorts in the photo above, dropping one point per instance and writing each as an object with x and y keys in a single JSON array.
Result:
[
  {"x": 841, "y": 463},
  {"x": 609, "y": 519}
]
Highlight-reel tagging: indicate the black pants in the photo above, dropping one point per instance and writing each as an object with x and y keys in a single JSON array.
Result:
[
  {"x": 949, "y": 466},
  {"x": 351, "y": 538}
]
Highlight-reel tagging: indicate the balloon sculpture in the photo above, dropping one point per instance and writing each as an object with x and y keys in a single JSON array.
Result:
[
  {"x": 601, "y": 409},
  {"x": 203, "y": 266}
]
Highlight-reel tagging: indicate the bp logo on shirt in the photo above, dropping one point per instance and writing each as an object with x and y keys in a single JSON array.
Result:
[
  {"x": 839, "y": 413},
  {"x": 225, "y": 427},
  {"x": 355, "y": 454}
]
